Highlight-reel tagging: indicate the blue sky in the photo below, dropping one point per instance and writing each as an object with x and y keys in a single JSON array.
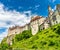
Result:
[
  {"x": 18, "y": 12},
  {"x": 36, "y": 6}
]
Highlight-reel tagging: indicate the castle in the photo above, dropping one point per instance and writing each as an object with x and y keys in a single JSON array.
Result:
[{"x": 37, "y": 23}]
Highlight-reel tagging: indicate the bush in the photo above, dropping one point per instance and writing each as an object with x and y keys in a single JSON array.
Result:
[
  {"x": 43, "y": 43},
  {"x": 4, "y": 46},
  {"x": 34, "y": 46},
  {"x": 24, "y": 35},
  {"x": 51, "y": 43},
  {"x": 58, "y": 30}
]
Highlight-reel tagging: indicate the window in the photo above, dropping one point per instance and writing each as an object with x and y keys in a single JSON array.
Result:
[
  {"x": 15, "y": 32},
  {"x": 56, "y": 22},
  {"x": 40, "y": 29},
  {"x": 43, "y": 28},
  {"x": 54, "y": 18}
]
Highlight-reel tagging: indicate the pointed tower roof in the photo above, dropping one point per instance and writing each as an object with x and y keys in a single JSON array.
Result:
[{"x": 49, "y": 8}]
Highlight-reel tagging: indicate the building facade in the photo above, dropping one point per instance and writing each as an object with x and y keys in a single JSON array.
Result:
[
  {"x": 15, "y": 30},
  {"x": 35, "y": 22}
]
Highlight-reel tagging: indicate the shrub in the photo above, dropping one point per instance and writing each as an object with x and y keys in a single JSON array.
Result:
[
  {"x": 34, "y": 46},
  {"x": 51, "y": 43},
  {"x": 43, "y": 43},
  {"x": 24, "y": 35},
  {"x": 58, "y": 30},
  {"x": 4, "y": 46},
  {"x": 51, "y": 36}
]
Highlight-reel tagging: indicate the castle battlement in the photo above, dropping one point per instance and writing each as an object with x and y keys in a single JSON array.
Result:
[{"x": 17, "y": 29}]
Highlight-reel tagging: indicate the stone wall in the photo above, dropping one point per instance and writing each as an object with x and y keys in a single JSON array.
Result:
[
  {"x": 35, "y": 25},
  {"x": 17, "y": 29}
]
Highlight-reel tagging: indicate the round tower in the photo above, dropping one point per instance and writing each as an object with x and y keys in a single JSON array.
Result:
[{"x": 50, "y": 12}]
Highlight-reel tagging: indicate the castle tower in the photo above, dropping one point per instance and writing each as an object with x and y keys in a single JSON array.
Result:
[
  {"x": 50, "y": 12},
  {"x": 54, "y": 17},
  {"x": 49, "y": 8},
  {"x": 58, "y": 7}
]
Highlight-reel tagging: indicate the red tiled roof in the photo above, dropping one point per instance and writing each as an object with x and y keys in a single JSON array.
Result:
[{"x": 35, "y": 18}]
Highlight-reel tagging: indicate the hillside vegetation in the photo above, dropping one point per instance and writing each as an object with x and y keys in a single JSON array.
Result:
[{"x": 48, "y": 39}]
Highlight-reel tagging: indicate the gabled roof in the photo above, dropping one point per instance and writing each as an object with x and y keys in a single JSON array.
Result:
[{"x": 35, "y": 18}]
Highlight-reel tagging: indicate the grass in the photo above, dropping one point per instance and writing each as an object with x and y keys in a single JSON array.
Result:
[{"x": 48, "y": 39}]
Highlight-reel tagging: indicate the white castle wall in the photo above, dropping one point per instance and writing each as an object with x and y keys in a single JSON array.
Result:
[{"x": 34, "y": 27}]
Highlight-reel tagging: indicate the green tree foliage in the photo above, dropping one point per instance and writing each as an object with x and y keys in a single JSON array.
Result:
[
  {"x": 24, "y": 35},
  {"x": 48, "y": 39},
  {"x": 4, "y": 46}
]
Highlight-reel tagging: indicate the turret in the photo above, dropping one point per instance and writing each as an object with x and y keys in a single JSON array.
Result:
[
  {"x": 50, "y": 10},
  {"x": 58, "y": 7}
]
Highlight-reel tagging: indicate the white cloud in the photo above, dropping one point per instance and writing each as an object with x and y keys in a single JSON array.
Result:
[
  {"x": 20, "y": 7},
  {"x": 30, "y": 7},
  {"x": 11, "y": 18},
  {"x": 29, "y": 13},
  {"x": 4, "y": 34},
  {"x": 52, "y": 1},
  {"x": 37, "y": 6},
  {"x": 54, "y": 8}
]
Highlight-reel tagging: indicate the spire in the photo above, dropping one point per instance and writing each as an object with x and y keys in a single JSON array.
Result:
[{"x": 49, "y": 8}]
